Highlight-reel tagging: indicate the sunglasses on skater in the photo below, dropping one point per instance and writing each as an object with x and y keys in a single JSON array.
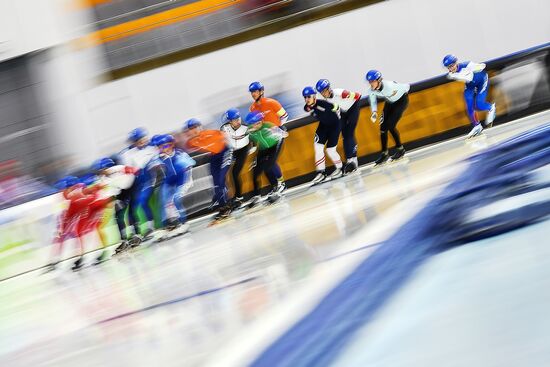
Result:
[{"x": 166, "y": 146}]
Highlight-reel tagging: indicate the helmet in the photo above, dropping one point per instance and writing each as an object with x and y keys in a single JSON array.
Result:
[
  {"x": 137, "y": 134},
  {"x": 309, "y": 91},
  {"x": 66, "y": 182},
  {"x": 191, "y": 123},
  {"x": 232, "y": 114},
  {"x": 322, "y": 84},
  {"x": 253, "y": 117},
  {"x": 88, "y": 179},
  {"x": 154, "y": 139},
  {"x": 165, "y": 139},
  {"x": 448, "y": 60},
  {"x": 255, "y": 86},
  {"x": 103, "y": 163},
  {"x": 373, "y": 75}
]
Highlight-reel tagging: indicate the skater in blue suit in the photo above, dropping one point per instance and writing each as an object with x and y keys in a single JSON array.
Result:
[{"x": 475, "y": 92}]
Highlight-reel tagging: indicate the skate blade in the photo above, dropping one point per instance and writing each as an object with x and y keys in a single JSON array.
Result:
[
  {"x": 218, "y": 221},
  {"x": 99, "y": 262},
  {"x": 399, "y": 160}
]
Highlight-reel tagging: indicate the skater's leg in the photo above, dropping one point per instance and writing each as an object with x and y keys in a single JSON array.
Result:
[
  {"x": 178, "y": 202},
  {"x": 480, "y": 99},
  {"x": 334, "y": 157},
  {"x": 332, "y": 141},
  {"x": 319, "y": 157},
  {"x": 349, "y": 123},
  {"x": 276, "y": 169},
  {"x": 257, "y": 171},
  {"x": 268, "y": 163},
  {"x": 395, "y": 134},
  {"x": 276, "y": 172},
  {"x": 240, "y": 157},
  {"x": 133, "y": 210},
  {"x": 143, "y": 199},
  {"x": 222, "y": 180},
  {"x": 120, "y": 214},
  {"x": 469, "y": 99}
]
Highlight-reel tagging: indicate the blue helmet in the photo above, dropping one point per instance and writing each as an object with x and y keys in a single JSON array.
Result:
[
  {"x": 165, "y": 139},
  {"x": 136, "y": 134},
  {"x": 191, "y": 123},
  {"x": 255, "y": 86},
  {"x": 373, "y": 75},
  {"x": 154, "y": 139},
  {"x": 322, "y": 84},
  {"x": 253, "y": 117},
  {"x": 103, "y": 163},
  {"x": 66, "y": 182},
  {"x": 448, "y": 60},
  {"x": 88, "y": 179},
  {"x": 232, "y": 114},
  {"x": 309, "y": 91}
]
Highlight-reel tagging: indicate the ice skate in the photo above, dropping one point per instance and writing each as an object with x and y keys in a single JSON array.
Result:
[
  {"x": 236, "y": 203},
  {"x": 349, "y": 168},
  {"x": 281, "y": 187},
  {"x": 475, "y": 131},
  {"x": 400, "y": 153},
  {"x": 160, "y": 235},
  {"x": 382, "y": 159},
  {"x": 253, "y": 202},
  {"x": 181, "y": 230},
  {"x": 273, "y": 197},
  {"x": 336, "y": 174},
  {"x": 135, "y": 241},
  {"x": 148, "y": 235},
  {"x": 319, "y": 178},
  {"x": 78, "y": 264},
  {"x": 101, "y": 258},
  {"x": 50, "y": 267},
  {"x": 124, "y": 245},
  {"x": 222, "y": 215}
]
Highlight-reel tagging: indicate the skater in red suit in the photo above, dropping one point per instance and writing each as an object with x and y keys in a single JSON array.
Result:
[{"x": 82, "y": 215}]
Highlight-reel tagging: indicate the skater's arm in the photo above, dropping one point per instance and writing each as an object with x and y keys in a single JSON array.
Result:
[
  {"x": 373, "y": 102},
  {"x": 475, "y": 67},
  {"x": 281, "y": 112},
  {"x": 188, "y": 181},
  {"x": 158, "y": 175},
  {"x": 350, "y": 95},
  {"x": 465, "y": 72}
]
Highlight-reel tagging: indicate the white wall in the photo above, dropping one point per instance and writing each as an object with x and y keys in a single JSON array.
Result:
[
  {"x": 30, "y": 25},
  {"x": 405, "y": 39}
]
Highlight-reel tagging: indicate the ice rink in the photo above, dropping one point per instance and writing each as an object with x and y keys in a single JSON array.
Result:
[{"x": 220, "y": 295}]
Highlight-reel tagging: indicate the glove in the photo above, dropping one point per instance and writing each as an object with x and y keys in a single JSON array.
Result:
[
  {"x": 252, "y": 150},
  {"x": 283, "y": 127},
  {"x": 373, "y": 117},
  {"x": 308, "y": 108},
  {"x": 131, "y": 170}
]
